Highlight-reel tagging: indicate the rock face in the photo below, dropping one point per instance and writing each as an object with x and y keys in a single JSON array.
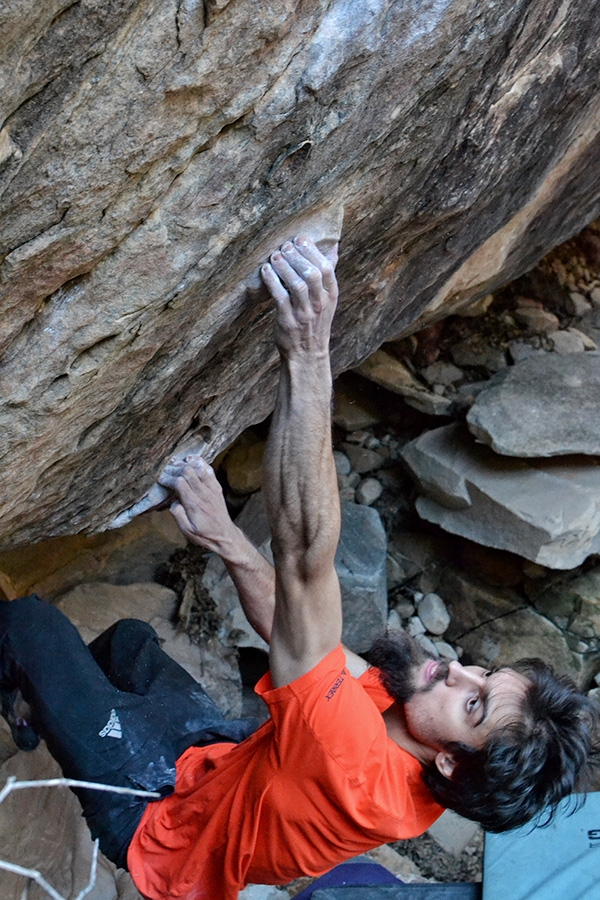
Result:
[
  {"x": 544, "y": 406},
  {"x": 153, "y": 153}
]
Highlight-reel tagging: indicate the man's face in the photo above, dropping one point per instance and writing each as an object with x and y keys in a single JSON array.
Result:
[
  {"x": 464, "y": 704},
  {"x": 443, "y": 702}
]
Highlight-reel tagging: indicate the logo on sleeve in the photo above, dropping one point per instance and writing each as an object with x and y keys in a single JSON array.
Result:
[{"x": 336, "y": 685}]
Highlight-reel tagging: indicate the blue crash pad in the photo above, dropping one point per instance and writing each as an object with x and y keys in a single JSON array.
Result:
[{"x": 558, "y": 862}]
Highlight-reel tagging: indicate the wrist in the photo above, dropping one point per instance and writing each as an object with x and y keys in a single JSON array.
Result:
[{"x": 233, "y": 547}]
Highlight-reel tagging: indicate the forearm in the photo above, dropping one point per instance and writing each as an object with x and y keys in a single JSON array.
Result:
[
  {"x": 254, "y": 580},
  {"x": 300, "y": 483}
]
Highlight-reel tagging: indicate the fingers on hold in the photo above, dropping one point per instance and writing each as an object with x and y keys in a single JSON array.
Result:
[
  {"x": 291, "y": 273},
  {"x": 180, "y": 516},
  {"x": 324, "y": 264},
  {"x": 274, "y": 284},
  {"x": 167, "y": 478}
]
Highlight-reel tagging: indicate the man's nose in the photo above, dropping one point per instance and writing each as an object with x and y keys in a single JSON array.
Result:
[{"x": 460, "y": 675}]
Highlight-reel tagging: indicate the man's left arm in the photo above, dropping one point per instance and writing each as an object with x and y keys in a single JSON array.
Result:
[{"x": 203, "y": 517}]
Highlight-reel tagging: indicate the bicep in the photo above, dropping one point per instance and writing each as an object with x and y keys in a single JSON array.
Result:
[{"x": 307, "y": 624}]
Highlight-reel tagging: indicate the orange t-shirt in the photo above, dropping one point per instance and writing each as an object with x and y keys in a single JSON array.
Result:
[{"x": 318, "y": 783}]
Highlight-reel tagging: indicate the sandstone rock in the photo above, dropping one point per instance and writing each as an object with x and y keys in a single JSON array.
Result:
[
  {"x": 453, "y": 832},
  {"x": 496, "y": 568},
  {"x": 539, "y": 321},
  {"x": 427, "y": 644},
  {"x": 360, "y": 562},
  {"x": 544, "y": 406},
  {"x": 362, "y": 459},
  {"x": 567, "y": 342},
  {"x": 394, "y": 621},
  {"x": 549, "y": 515},
  {"x": 390, "y": 373},
  {"x": 578, "y": 305},
  {"x": 478, "y": 308},
  {"x": 343, "y": 466},
  {"x": 127, "y": 556},
  {"x": 442, "y": 373},
  {"x": 42, "y": 828},
  {"x": 588, "y": 342},
  {"x": 574, "y": 605},
  {"x": 445, "y": 650},
  {"x": 416, "y": 551},
  {"x": 520, "y": 350},
  {"x": 352, "y": 408},
  {"x": 94, "y": 607},
  {"x": 415, "y": 626},
  {"x": 475, "y": 353},
  {"x": 471, "y": 603},
  {"x": 243, "y": 464},
  {"x": 526, "y": 634},
  {"x": 153, "y": 157},
  {"x": 404, "y": 607}
]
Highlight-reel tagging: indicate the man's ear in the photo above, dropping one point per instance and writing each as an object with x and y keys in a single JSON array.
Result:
[{"x": 445, "y": 763}]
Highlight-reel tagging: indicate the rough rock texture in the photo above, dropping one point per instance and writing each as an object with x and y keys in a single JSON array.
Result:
[
  {"x": 129, "y": 555},
  {"x": 546, "y": 511},
  {"x": 548, "y": 405},
  {"x": 152, "y": 153}
]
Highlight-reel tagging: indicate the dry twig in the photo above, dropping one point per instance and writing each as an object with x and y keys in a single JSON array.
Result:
[{"x": 32, "y": 874}]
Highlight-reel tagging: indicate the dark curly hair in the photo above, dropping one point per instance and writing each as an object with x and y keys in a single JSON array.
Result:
[{"x": 526, "y": 768}]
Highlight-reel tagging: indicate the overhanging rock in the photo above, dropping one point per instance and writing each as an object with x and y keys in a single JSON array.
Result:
[
  {"x": 548, "y": 512},
  {"x": 152, "y": 154}
]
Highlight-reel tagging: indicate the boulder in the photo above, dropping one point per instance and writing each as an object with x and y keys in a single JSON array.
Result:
[
  {"x": 43, "y": 829},
  {"x": 573, "y": 604},
  {"x": 127, "y": 555},
  {"x": 525, "y": 634},
  {"x": 433, "y": 613},
  {"x": 360, "y": 563},
  {"x": 391, "y": 373},
  {"x": 153, "y": 154},
  {"x": 548, "y": 513},
  {"x": 547, "y": 405},
  {"x": 472, "y": 603}
]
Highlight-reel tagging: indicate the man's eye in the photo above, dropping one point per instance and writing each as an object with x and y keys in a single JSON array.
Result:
[{"x": 473, "y": 703}]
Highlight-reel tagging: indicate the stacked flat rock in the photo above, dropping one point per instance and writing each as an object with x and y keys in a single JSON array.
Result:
[
  {"x": 546, "y": 405},
  {"x": 546, "y": 512}
]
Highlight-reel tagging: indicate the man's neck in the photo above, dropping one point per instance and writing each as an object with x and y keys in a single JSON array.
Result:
[{"x": 397, "y": 731}]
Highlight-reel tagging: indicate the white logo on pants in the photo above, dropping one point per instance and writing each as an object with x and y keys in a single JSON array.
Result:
[{"x": 112, "y": 727}]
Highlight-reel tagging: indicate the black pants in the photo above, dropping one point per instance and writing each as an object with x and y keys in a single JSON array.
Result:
[{"x": 118, "y": 712}]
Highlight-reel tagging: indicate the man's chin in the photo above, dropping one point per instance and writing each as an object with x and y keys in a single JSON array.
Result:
[{"x": 400, "y": 659}]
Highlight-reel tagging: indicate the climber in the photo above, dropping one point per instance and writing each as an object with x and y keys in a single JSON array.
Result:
[{"x": 353, "y": 755}]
